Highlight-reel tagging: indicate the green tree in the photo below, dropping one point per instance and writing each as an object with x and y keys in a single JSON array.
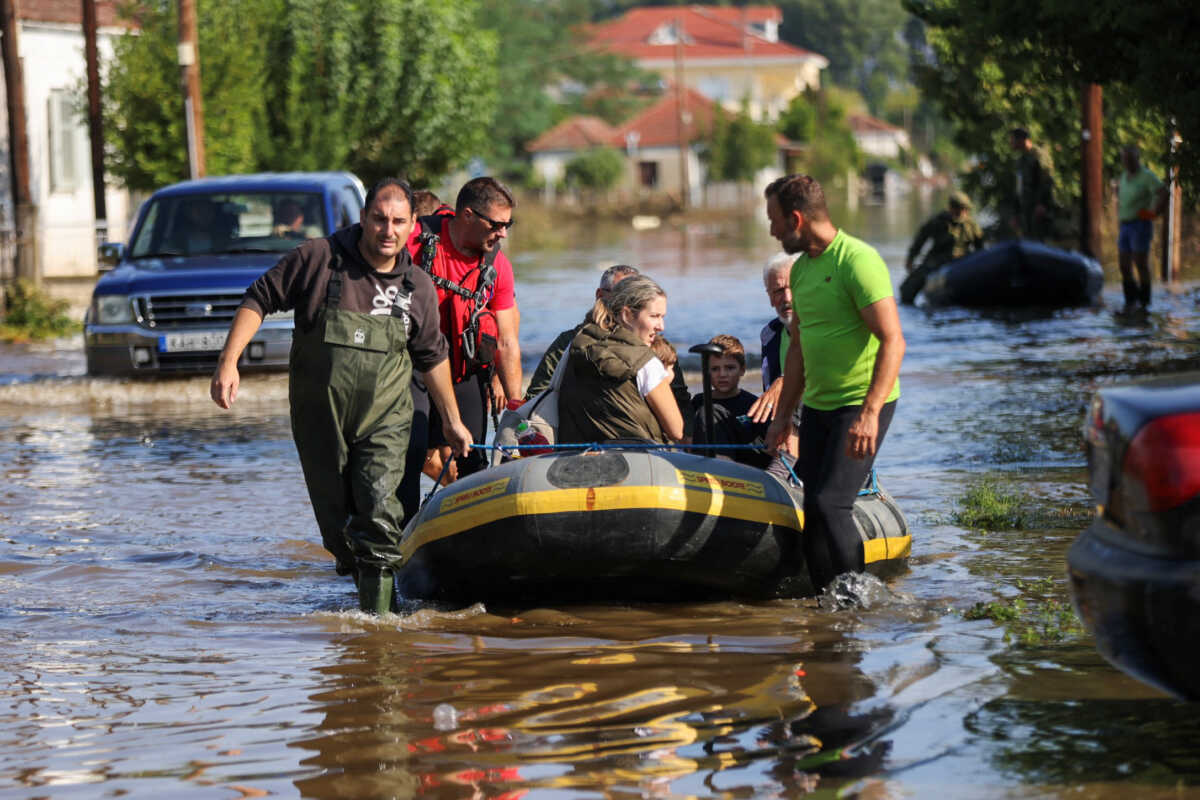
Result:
[
  {"x": 990, "y": 70},
  {"x": 818, "y": 119},
  {"x": 798, "y": 122},
  {"x": 863, "y": 40},
  {"x": 550, "y": 73},
  {"x": 374, "y": 86},
  {"x": 598, "y": 169},
  {"x": 739, "y": 147},
  {"x": 143, "y": 109},
  {"x": 380, "y": 87},
  {"x": 1025, "y": 64}
]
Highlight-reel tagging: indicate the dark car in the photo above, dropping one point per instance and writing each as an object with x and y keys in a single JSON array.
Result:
[
  {"x": 1135, "y": 572},
  {"x": 166, "y": 304}
]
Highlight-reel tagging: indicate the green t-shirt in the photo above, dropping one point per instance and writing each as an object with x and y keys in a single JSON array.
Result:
[
  {"x": 839, "y": 350},
  {"x": 1136, "y": 192}
]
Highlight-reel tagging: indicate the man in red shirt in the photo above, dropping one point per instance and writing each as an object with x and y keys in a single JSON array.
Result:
[{"x": 468, "y": 243}]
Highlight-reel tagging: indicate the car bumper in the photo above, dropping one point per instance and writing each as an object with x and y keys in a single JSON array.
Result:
[
  {"x": 1144, "y": 610},
  {"x": 130, "y": 350}
]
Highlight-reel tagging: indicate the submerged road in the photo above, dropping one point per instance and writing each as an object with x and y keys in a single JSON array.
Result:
[{"x": 171, "y": 627}]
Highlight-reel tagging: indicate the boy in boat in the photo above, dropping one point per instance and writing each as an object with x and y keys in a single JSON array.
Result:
[{"x": 731, "y": 405}]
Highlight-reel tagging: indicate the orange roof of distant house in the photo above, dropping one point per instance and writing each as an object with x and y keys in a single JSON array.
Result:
[
  {"x": 658, "y": 125},
  {"x": 709, "y": 32},
  {"x": 70, "y": 12},
  {"x": 574, "y": 133},
  {"x": 865, "y": 123}
]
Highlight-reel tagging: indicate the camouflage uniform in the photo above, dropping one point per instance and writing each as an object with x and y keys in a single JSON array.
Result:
[
  {"x": 951, "y": 238},
  {"x": 1033, "y": 186}
]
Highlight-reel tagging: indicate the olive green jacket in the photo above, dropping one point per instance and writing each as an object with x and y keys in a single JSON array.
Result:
[
  {"x": 599, "y": 399},
  {"x": 949, "y": 239}
]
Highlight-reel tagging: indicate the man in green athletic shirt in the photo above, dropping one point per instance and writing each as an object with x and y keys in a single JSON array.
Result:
[{"x": 843, "y": 364}]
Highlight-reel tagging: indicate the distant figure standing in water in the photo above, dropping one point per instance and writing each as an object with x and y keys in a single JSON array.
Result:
[
  {"x": 1141, "y": 197},
  {"x": 1032, "y": 203},
  {"x": 843, "y": 364}
]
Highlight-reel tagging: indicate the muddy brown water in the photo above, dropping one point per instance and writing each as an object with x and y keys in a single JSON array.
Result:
[{"x": 170, "y": 626}]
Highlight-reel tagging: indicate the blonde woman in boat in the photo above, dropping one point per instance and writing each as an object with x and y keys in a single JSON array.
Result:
[{"x": 614, "y": 386}]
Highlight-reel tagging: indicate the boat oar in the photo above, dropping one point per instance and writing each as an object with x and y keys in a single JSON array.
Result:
[{"x": 707, "y": 351}]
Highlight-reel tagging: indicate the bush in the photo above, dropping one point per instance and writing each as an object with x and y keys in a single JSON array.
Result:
[
  {"x": 598, "y": 169},
  {"x": 30, "y": 313}
]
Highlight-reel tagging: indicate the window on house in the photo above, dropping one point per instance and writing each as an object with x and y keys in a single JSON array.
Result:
[
  {"x": 648, "y": 174},
  {"x": 67, "y": 142}
]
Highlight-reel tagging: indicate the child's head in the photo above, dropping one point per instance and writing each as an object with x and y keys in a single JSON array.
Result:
[
  {"x": 726, "y": 370},
  {"x": 665, "y": 352}
]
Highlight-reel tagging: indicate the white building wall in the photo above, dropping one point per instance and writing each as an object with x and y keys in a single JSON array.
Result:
[{"x": 53, "y": 62}]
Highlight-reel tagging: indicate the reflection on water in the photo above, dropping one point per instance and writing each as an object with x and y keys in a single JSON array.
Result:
[
  {"x": 171, "y": 627},
  {"x": 555, "y": 711}
]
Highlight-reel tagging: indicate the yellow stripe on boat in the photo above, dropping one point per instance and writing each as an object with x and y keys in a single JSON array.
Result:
[
  {"x": 883, "y": 548},
  {"x": 709, "y": 501}
]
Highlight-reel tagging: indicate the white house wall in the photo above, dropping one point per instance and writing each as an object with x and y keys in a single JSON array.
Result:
[{"x": 53, "y": 60}]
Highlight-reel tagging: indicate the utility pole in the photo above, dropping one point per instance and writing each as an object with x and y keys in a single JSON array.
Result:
[
  {"x": 18, "y": 138},
  {"x": 1170, "y": 238},
  {"x": 189, "y": 76},
  {"x": 682, "y": 118},
  {"x": 95, "y": 125},
  {"x": 1092, "y": 179}
]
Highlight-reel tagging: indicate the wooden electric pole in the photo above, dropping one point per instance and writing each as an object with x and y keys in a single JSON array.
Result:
[
  {"x": 95, "y": 124},
  {"x": 681, "y": 119},
  {"x": 1092, "y": 179},
  {"x": 18, "y": 138},
  {"x": 1173, "y": 216},
  {"x": 189, "y": 75}
]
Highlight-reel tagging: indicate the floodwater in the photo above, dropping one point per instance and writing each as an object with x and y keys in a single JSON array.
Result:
[{"x": 169, "y": 626}]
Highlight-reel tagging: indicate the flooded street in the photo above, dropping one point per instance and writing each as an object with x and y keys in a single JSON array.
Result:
[{"x": 171, "y": 627}]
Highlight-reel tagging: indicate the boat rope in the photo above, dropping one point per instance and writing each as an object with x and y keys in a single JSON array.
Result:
[
  {"x": 438, "y": 482},
  {"x": 871, "y": 486}
]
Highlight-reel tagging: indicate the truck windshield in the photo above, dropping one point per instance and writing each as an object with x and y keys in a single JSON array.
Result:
[{"x": 241, "y": 222}]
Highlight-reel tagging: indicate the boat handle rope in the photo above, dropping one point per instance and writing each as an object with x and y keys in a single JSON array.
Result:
[
  {"x": 872, "y": 486},
  {"x": 438, "y": 482}
]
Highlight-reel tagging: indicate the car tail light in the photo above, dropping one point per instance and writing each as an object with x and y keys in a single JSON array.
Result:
[{"x": 1162, "y": 463}]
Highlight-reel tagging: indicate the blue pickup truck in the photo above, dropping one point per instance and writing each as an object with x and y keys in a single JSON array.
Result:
[{"x": 165, "y": 305}]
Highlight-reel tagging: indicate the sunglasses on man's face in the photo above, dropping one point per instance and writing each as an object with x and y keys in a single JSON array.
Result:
[{"x": 493, "y": 224}]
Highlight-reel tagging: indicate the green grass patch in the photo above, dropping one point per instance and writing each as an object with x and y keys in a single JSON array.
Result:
[
  {"x": 1038, "y": 615},
  {"x": 989, "y": 505},
  {"x": 31, "y": 314}
]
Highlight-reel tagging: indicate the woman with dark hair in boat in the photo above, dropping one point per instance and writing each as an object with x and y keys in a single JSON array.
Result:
[{"x": 614, "y": 386}]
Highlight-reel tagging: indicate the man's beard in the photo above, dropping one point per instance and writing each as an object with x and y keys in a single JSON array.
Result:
[
  {"x": 785, "y": 316},
  {"x": 792, "y": 243}
]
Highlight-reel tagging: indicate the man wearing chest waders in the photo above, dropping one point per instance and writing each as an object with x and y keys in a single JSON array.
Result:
[
  {"x": 365, "y": 317},
  {"x": 843, "y": 364}
]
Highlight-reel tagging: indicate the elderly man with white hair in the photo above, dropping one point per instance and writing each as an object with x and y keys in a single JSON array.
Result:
[{"x": 775, "y": 340}]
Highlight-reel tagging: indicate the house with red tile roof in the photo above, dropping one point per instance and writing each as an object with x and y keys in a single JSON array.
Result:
[
  {"x": 876, "y": 137},
  {"x": 728, "y": 54},
  {"x": 650, "y": 141},
  {"x": 50, "y": 45}
]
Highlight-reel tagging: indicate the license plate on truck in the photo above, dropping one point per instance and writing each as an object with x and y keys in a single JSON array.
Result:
[{"x": 191, "y": 342}]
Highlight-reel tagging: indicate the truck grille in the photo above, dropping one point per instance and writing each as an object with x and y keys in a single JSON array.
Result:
[{"x": 176, "y": 311}]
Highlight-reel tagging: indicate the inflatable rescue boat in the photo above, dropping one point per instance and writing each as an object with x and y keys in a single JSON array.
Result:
[
  {"x": 624, "y": 524},
  {"x": 1018, "y": 274}
]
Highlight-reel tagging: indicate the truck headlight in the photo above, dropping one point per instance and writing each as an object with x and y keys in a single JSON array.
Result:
[{"x": 112, "y": 309}]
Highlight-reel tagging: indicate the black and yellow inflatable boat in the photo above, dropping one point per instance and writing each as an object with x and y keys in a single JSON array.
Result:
[{"x": 623, "y": 524}]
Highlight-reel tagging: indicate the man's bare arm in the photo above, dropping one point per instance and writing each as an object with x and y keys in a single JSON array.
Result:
[
  {"x": 883, "y": 320},
  {"x": 509, "y": 356},
  {"x": 225, "y": 380}
]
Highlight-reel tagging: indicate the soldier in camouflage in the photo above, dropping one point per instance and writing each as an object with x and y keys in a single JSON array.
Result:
[
  {"x": 1032, "y": 202},
  {"x": 952, "y": 234}
]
